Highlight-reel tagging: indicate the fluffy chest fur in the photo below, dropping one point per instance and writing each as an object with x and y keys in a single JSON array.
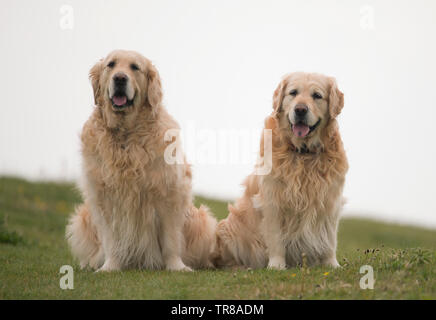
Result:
[
  {"x": 304, "y": 183},
  {"x": 130, "y": 162}
]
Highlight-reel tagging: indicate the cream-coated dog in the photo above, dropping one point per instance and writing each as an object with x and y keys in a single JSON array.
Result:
[
  {"x": 137, "y": 210},
  {"x": 293, "y": 211}
]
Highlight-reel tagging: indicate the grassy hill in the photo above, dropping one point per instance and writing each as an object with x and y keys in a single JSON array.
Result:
[{"x": 32, "y": 250}]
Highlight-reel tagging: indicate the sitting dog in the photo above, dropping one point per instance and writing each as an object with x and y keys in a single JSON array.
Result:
[
  {"x": 290, "y": 216},
  {"x": 137, "y": 210}
]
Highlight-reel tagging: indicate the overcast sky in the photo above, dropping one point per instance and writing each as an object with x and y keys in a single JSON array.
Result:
[{"x": 220, "y": 62}]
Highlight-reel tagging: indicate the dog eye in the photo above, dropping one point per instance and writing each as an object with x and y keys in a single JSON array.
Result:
[
  {"x": 111, "y": 64},
  {"x": 316, "y": 96},
  {"x": 293, "y": 92},
  {"x": 134, "y": 67}
]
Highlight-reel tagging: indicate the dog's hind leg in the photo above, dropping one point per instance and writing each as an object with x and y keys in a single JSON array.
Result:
[{"x": 83, "y": 238}]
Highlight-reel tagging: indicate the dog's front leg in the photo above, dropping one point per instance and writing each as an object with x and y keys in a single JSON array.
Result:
[
  {"x": 111, "y": 263},
  {"x": 171, "y": 239},
  {"x": 272, "y": 233}
]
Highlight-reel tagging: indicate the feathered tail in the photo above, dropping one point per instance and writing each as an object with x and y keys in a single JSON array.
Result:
[{"x": 199, "y": 233}]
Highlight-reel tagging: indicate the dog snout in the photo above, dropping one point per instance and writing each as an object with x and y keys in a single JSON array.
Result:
[
  {"x": 120, "y": 79},
  {"x": 300, "y": 111}
]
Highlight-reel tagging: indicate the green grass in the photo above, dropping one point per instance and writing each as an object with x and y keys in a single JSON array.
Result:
[{"x": 32, "y": 249}]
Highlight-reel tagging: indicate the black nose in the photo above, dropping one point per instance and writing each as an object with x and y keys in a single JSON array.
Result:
[
  {"x": 120, "y": 79},
  {"x": 301, "y": 110}
]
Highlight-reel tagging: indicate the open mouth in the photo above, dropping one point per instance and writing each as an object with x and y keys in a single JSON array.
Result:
[
  {"x": 302, "y": 130},
  {"x": 120, "y": 101}
]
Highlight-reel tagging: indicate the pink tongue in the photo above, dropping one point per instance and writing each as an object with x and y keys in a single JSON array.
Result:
[
  {"x": 119, "y": 100},
  {"x": 300, "y": 130}
]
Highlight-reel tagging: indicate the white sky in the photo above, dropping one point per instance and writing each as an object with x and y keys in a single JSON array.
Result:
[{"x": 220, "y": 62}]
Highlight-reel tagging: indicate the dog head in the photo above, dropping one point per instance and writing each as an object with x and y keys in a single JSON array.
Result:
[
  {"x": 125, "y": 83},
  {"x": 304, "y": 104}
]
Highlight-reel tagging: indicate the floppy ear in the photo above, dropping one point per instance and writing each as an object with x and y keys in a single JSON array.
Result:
[
  {"x": 336, "y": 99},
  {"x": 94, "y": 76},
  {"x": 154, "y": 92},
  {"x": 278, "y": 96}
]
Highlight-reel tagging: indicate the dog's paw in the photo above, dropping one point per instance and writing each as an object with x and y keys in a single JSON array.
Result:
[
  {"x": 185, "y": 269},
  {"x": 182, "y": 268},
  {"x": 177, "y": 265},
  {"x": 108, "y": 266},
  {"x": 333, "y": 263},
  {"x": 277, "y": 263}
]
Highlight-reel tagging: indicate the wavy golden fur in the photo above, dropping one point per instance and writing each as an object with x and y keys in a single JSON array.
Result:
[
  {"x": 137, "y": 210},
  {"x": 294, "y": 210}
]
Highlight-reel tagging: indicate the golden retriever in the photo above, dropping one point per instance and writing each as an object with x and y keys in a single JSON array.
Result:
[
  {"x": 290, "y": 216},
  {"x": 137, "y": 210}
]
